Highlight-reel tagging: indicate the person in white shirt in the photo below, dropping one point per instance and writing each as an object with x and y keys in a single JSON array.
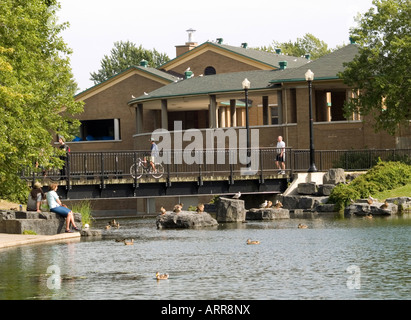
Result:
[
  {"x": 56, "y": 206},
  {"x": 280, "y": 159}
]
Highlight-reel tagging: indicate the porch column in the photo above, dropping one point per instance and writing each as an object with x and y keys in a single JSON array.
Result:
[
  {"x": 280, "y": 107},
  {"x": 212, "y": 112},
  {"x": 265, "y": 111},
  {"x": 139, "y": 118},
  {"x": 164, "y": 114},
  {"x": 233, "y": 115}
]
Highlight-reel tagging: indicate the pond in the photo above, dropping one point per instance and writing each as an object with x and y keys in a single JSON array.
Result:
[{"x": 332, "y": 259}]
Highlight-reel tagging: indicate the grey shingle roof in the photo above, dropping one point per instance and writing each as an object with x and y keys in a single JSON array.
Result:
[
  {"x": 270, "y": 59},
  {"x": 326, "y": 67}
]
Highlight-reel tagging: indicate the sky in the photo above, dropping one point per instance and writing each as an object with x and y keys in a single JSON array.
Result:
[{"x": 96, "y": 24}]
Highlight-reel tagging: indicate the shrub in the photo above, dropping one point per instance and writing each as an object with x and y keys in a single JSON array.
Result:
[{"x": 383, "y": 176}]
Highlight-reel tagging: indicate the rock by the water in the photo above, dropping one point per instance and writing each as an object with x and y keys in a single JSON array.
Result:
[
  {"x": 230, "y": 210},
  {"x": 362, "y": 209},
  {"x": 185, "y": 219},
  {"x": 267, "y": 214},
  {"x": 404, "y": 203},
  {"x": 334, "y": 176}
]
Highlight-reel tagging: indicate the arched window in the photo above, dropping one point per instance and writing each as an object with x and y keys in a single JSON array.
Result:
[{"x": 209, "y": 71}]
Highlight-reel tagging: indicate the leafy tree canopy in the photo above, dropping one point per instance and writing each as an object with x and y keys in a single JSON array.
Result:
[
  {"x": 123, "y": 56},
  {"x": 381, "y": 71},
  {"x": 308, "y": 44},
  {"x": 36, "y": 89}
]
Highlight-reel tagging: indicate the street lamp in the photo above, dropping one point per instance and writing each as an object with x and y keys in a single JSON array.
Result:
[
  {"x": 246, "y": 86},
  {"x": 309, "y": 77}
]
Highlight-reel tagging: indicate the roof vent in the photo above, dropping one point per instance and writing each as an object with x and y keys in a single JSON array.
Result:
[
  {"x": 283, "y": 64},
  {"x": 144, "y": 63},
  {"x": 188, "y": 74},
  {"x": 219, "y": 40},
  {"x": 278, "y": 51},
  {"x": 307, "y": 56},
  {"x": 244, "y": 45},
  {"x": 352, "y": 40}
]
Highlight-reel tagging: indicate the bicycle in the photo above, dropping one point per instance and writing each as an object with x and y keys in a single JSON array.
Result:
[{"x": 143, "y": 167}]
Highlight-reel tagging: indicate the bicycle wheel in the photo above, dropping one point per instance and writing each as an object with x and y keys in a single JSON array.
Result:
[
  {"x": 159, "y": 171},
  {"x": 136, "y": 171}
]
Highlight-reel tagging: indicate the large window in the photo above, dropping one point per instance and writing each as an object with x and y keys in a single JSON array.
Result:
[{"x": 99, "y": 130}]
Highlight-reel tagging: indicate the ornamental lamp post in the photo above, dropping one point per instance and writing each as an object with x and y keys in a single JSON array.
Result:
[
  {"x": 246, "y": 86},
  {"x": 309, "y": 77}
]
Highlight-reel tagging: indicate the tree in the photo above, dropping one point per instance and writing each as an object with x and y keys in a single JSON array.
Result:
[
  {"x": 380, "y": 73},
  {"x": 123, "y": 56},
  {"x": 308, "y": 44},
  {"x": 36, "y": 90}
]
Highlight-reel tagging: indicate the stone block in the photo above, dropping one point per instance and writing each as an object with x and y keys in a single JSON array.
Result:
[
  {"x": 267, "y": 214},
  {"x": 325, "y": 189},
  {"x": 230, "y": 210},
  {"x": 185, "y": 219},
  {"x": 307, "y": 188},
  {"x": 334, "y": 176},
  {"x": 45, "y": 223}
]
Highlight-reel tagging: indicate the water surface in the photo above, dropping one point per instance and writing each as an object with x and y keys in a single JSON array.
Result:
[{"x": 332, "y": 259}]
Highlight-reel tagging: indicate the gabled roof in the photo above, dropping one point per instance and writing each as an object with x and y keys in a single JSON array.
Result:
[
  {"x": 324, "y": 68},
  {"x": 149, "y": 72},
  {"x": 268, "y": 59}
]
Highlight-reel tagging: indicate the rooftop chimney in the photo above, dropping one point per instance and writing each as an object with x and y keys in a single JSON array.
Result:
[
  {"x": 244, "y": 45},
  {"x": 307, "y": 56},
  {"x": 144, "y": 63},
  {"x": 189, "y": 44},
  {"x": 219, "y": 40},
  {"x": 278, "y": 51}
]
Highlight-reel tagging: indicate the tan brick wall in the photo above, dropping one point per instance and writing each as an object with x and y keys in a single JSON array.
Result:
[{"x": 111, "y": 103}]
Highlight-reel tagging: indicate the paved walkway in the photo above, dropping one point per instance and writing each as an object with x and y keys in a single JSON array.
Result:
[{"x": 12, "y": 240}]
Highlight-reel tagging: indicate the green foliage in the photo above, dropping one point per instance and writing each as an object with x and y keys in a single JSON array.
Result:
[
  {"x": 383, "y": 176},
  {"x": 29, "y": 232},
  {"x": 84, "y": 208},
  {"x": 380, "y": 72},
  {"x": 125, "y": 55},
  {"x": 308, "y": 44},
  {"x": 36, "y": 90}
]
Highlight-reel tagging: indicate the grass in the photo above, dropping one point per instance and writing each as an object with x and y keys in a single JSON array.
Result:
[
  {"x": 84, "y": 208},
  {"x": 404, "y": 191}
]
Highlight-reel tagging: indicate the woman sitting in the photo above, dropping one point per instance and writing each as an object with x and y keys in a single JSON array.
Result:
[
  {"x": 57, "y": 207},
  {"x": 36, "y": 197}
]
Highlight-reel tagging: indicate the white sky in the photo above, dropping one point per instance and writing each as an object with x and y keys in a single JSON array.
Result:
[{"x": 96, "y": 24}]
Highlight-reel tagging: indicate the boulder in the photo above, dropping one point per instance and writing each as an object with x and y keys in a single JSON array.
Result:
[
  {"x": 185, "y": 219},
  {"x": 230, "y": 210},
  {"x": 325, "y": 189},
  {"x": 307, "y": 188},
  {"x": 267, "y": 214},
  {"x": 362, "y": 209},
  {"x": 403, "y": 203},
  {"x": 334, "y": 176}
]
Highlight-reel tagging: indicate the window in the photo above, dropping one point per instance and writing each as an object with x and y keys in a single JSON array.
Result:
[
  {"x": 274, "y": 115},
  {"x": 99, "y": 130},
  {"x": 209, "y": 71}
]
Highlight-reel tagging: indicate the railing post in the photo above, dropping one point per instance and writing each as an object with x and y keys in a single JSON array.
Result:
[
  {"x": 261, "y": 166},
  {"x": 68, "y": 170},
  {"x": 102, "y": 185}
]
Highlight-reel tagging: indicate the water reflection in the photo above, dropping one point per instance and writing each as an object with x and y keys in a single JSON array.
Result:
[{"x": 216, "y": 263}]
